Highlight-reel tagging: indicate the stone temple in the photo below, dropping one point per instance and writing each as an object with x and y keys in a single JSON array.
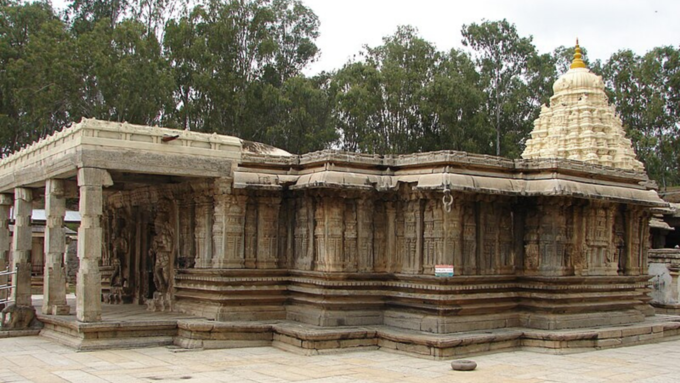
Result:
[{"x": 437, "y": 254}]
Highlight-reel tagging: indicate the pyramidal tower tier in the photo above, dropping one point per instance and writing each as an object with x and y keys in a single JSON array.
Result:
[{"x": 580, "y": 124}]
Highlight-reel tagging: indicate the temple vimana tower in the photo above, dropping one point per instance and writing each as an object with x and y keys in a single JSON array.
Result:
[{"x": 438, "y": 254}]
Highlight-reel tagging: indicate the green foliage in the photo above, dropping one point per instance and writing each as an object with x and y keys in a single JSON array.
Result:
[
  {"x": 38, "y": 78},
  {"x": 503, "y": 59},
  {"x": 408, "y": 97},
  {"x": 227, "y": 56},
  {"x": 645, "y": 91},
  {"x": 126, "y": 77}
]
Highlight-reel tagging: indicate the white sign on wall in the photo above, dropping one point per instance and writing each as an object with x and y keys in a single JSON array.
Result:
[{"x": 443, "y": 270}]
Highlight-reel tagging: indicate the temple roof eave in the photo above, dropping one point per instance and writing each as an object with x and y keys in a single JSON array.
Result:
[{"x": 517, "y": 185}]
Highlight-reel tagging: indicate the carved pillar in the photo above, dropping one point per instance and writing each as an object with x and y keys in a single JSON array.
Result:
[
  {"x": 413, "y": 237},
  {"x": 488, "y": 222},
  {"x": 268, "y": 232},
  {"x": 333, "y": 216},
  {"x": 350, "y": 243},
  {"x": 469, "y": 239},
  {"x": 187, "y": 224},
  {"x": 202, "y": 232},
  {"x": 506, "y": 236},
  {"x": 578, "y": 240},
  {"x": 635, "y": 236},
  {"x": 6, "y": 202},
  {"x": 365, "y": 212},
  {"x": 643, "y": 255},
  {"x": 599, "y": 240},
  {"x": 304, "y": 234},
  {"x": 320, "y": 234},
  {"x": 391, "y": 238},
  {"x": 286, "y": 228},
  {"x": 431, "y": 236},
  {"x": 452, "y": 252},
  {"x": 379, "y": 238},
  {"x": 54, "y": 283},
  {"x": 552, "y": 236},
  {"x": 230, "y": 216},
  {"x": 21, "y": 247},
  {"x": 251, "y": 234},
  {"x": 531, "y": 241},
  {"x": 88, "y": 285}
]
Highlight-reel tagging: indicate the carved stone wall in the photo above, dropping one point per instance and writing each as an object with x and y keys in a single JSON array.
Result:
[{"x": 330, "y": 257}]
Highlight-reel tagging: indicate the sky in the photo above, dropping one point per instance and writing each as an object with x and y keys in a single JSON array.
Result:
[{"x": 603, "y": 27}]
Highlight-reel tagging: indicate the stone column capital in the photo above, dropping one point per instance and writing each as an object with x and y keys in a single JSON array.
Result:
[
  {"x": 94, "y": 177},
  {"x": 23, "y": 194},
  {"x": 6, "y": 199}
]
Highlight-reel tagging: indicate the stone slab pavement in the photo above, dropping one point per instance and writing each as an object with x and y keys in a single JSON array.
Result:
[{"x": 36, "y": 359}]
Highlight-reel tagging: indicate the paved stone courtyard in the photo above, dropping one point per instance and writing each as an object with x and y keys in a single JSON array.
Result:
[{"x": 35, "y": 359}]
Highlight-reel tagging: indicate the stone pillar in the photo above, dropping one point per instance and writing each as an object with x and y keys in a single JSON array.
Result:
[
  {"x": 391, "y": 237},
  {"x": 88, "y": 285},
  {"x": 365, "y": 213},
  {"x": 22, "y": 242},
  {"x": 6, "y": 202},
  {"x": 267, "y": 232},
  {"x": 202, "y": 232},
  {"x": 230, "y": 213},
  {"x": 54, "y": 285}
]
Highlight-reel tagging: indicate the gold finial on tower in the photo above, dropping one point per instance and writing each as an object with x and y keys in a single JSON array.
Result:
[{"x": 578, "y": 62}]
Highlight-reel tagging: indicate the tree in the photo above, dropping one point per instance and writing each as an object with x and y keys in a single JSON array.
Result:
[
  {"x": 300, "y": 114},
  {"x": 455, "y": 101},
  {"x": 356, "y": 107},
  {"x": 398, "y": 74},
  {"x": 502, "y": 57},
  {"x": 223, "y": 55},
  {"x": 126, "y": 77},
  {"x": 645, "y": 93},
  {"x": 39, "y": 81}
]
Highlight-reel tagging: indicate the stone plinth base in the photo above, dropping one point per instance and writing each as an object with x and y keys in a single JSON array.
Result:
[
  {"x": 192, "y": 333},
  {"x": 669, "y": 309},
  {"x": 313, "y": 340},
  {"x": 108, "y": 335}
]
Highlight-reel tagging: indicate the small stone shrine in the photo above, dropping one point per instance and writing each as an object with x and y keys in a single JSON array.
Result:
[{"x": 236, "y": 231}]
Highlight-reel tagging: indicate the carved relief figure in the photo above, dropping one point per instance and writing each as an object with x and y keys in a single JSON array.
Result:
[
  {"x": 162, "y": 247},
  {"x": 410, "y": 253},
  {"x": 120, "y": 249},
  {"x": 618, "y": 257},
  {"x": 531, "y": 249},
  {"x": 429, "y": 242}
]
